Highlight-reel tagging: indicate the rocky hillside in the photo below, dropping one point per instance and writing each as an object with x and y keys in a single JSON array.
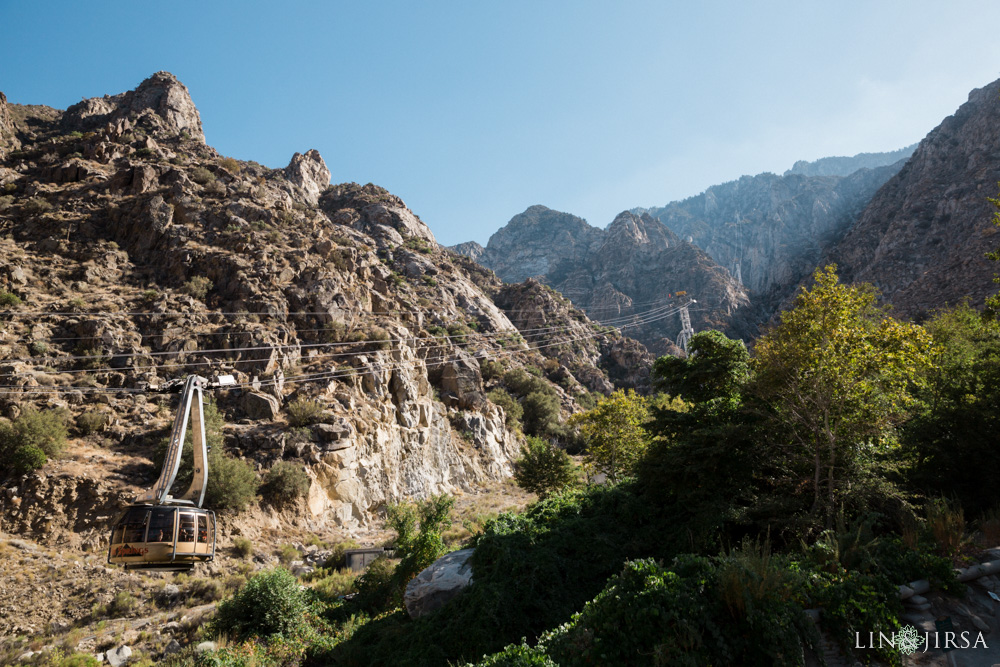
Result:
[
  {"x": 632, "y": 269},
  {"x": 922, "y": 238},
  {"x": 131, "y": 252}
]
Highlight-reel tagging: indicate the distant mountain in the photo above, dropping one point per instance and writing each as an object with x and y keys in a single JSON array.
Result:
[
  {"x": 845, "y": 166},
  {"x": 630, "y": 268},
  {"x": 922, "y": 238},
  {"x": 770, "y": 230}
]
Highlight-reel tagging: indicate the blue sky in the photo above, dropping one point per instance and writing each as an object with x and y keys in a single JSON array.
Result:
[{"x": 473, "y": 111}]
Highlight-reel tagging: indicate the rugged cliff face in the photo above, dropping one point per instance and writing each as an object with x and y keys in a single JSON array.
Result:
[
  {"x": 922, "y": 239},
  {"x": 141, "y": 254},
  {"x": 629, "y": 273},
  {"x": 772, "y": 230}
]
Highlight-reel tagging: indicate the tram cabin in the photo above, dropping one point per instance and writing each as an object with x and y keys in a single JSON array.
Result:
[{"x": 162, "y": 537}]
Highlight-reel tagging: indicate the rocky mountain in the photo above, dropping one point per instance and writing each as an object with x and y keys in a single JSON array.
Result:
[
  {"x": 922, "y": 238},
  {"x": 131, "y": 252},
  {"x": 626, "y": 273},
  {"x": 845, "y": 166},
  {"x": 770, "y": 230}
]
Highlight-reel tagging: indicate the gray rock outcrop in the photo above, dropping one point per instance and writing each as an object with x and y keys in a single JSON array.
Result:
[
  {"x": 161, "y": 96},
  {"x": 437, "y": 584},
  {"x": 309, "y": 175}
]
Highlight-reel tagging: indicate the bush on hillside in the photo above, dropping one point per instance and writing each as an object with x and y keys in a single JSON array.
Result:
[
  {"x": 512, "y": 409},
  {"x": 543, "y": 468},
  {"x": 303, "y": 412},
  {"x": 284, "y": 483},
  {"x": 270, "y": 603}
]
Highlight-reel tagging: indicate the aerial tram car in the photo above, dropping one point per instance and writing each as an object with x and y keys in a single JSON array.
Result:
[{"x": 162, "y": 532}]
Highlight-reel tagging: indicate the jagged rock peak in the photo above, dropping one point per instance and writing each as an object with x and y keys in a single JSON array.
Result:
[
  {"x": 633, "y": 229},
  {"x": 8, "y": 138},
  {"x": 161, "y": 95},
  {"x": 470, "y": 249},
  {"x": 309, "y": 174}
]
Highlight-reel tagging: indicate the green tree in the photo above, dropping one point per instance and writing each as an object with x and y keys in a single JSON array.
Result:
[
  {"x": 543, "y": 468},
  {"x": 952, "y": 438},
  {"x": 541, "y": 413},
  {"x": 614, "y": 432},
  {"x": 717, "y": 367},
  {"x": 993, "y": 302},
  {"x": 837, "y": 373}
]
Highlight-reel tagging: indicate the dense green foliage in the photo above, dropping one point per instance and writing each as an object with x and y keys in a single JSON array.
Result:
[
  {"x": 269, "y": 603},
  {"x": 837, "y": 374},
  {"x": 952, "y": 439},
  {"x": 543, "y": 468},
  {"x": 614, "y": 433}
]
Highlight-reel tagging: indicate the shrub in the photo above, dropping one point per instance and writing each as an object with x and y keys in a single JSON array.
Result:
[
  {"x": 91, "y": 422},
  {"x": 25, "y": 459},
  {"x": 45, "y": 430},
  {"x": 947, "y": 523},
  {"x": 512, "y": 409},
  {"x": 6, "y": 201},
  {"x": 270, "y": 603},
  {"x": 243, "y": 547},
  {"x": 36, "y": 206},
  {"x": 521, "y": 383},
  {"x": 303, "y": 412},
  {"x": 198, "y": 287},
  {"x": 202, "y": 176},
  {"x": 543, "y": 468},
  {"x": 335, "y": 584},
  {"x": 491, "y": 369},
  {"x": 381, "y": 587},
  {"x": 284, "y": 483},
  {"x": 541, "y": 413},
  {"x": 287, "y": 553},
  {"x": 230, "y": 165},
  {"x": 37, "y": 348},
  {"x": 232, "y": 482},
  {"x": 150, "y": 295},
  {"x": 9, "y": 299}
]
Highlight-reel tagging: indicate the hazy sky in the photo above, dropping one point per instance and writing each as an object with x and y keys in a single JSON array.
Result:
[{"x": 472, "y": 111}]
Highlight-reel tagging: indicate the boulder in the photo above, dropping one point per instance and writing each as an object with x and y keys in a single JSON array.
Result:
[
  {"x": 257, "y": 405},
  {"x": 462, "y": 383},
  {"x": 119, "y": 656},
  {"x": 433, "y": 587}
]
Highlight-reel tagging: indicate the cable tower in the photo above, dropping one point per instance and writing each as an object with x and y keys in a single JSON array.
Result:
[{"x": 684, "y": 337}]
